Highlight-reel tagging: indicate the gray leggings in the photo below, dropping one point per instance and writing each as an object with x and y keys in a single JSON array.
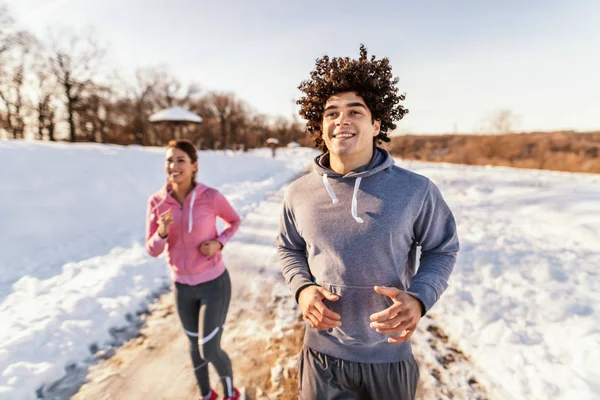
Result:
[{"x": 202, "y": 309}]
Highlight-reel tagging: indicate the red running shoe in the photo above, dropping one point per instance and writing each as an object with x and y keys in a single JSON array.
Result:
[
  {"x": 236, "y": 395},
  {"x": 213, "y": 395}
]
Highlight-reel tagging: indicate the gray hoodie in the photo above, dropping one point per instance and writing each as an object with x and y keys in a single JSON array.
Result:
[{"x": 349, "y": 233}]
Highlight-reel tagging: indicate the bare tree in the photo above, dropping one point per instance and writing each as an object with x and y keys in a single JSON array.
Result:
[
  {"x": 171, "y": 92},
  {"x": 287, "y": 130},
  {"x": 6, "y": 41},
  {"x": 279, "y": 129},
  {"x": 14, "y": 70},
  {"x": 259, "y": 131},
  {"x": 502, "y": 122},
  {"x": 95, "y": 112},
  {"x": 230, "y": 114},
  {"x": 239, "y": 125},
  {"x": 208, "y": 133},
  {"x": 75, "y": 63},
  {"x": 141, "y": 95},
  {"x": 16, "y": 120},
  {"x": 7, "y": 35},
  {"x": 45, "y": 102}
]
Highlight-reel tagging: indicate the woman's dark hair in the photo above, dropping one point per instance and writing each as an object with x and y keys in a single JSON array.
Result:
[
  {"x": 370, "y": 79},
  {"x": 187, "y": 147}
]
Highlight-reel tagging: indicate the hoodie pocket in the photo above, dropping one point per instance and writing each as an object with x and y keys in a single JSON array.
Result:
[{"x": 355, "y": 306}]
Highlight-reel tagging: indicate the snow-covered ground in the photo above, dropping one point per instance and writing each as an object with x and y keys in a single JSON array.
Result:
[
  {"x": 73, "y": 262},
  {"x": 523, "y": 300}
]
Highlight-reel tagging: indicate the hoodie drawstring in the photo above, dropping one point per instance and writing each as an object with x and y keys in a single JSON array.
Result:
[
  {"x": 334, "y": 199},
  {"x": 355, "y": 202},
  {"x": 191, "y": 217}
]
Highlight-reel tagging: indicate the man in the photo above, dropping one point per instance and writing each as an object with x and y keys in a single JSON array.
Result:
[{"x": 349, "y": 236}]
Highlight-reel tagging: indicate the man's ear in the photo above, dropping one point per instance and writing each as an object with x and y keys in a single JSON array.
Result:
[{"x": 376, "y": 127}]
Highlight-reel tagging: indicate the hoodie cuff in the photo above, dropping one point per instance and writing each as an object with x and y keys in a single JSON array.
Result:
[
  {"x": 223, "y": 239},
  {"x": 157, "y": 239},
  {"x": 425, "y": 294},
  {"x": 416, "y": 296},
  {"x": 298, "y": 283}
]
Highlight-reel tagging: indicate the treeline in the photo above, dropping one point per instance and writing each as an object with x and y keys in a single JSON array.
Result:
[
  {"x": 62, "y": 89},
  {"x": 561, "y": 151}
]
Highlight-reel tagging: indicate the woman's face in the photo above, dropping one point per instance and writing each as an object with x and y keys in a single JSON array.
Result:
[{"x": 179, "y": 166}]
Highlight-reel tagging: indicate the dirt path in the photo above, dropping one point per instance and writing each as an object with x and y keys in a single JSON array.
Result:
[{"x": 263, "y": 336}]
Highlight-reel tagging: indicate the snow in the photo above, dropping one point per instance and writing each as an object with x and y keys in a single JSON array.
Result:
[
  {"x": 524, "y": 296},
  {"x": 522, "y": 302},
  {"x": 74, "y": 266},
  {"x": 175, "y": 114}
]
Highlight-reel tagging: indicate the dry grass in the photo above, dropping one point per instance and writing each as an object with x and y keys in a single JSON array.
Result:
[{"x": 560, "y": 151}]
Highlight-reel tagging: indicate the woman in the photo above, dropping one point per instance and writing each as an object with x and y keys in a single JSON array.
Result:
[{"x": 182, "y": 215}]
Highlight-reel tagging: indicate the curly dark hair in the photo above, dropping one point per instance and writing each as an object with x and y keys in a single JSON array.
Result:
[{"x": 370, "y": 79}]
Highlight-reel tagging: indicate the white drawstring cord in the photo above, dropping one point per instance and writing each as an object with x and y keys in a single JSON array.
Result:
[
  {"x": 329, "y": 189},
  {"x": 355, "y": 202},
  {"x": 334, "y": 199},
  {"x": 191, "y": 217}
]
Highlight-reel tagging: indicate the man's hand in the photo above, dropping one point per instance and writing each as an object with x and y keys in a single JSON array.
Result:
[
  {"x": 400, "y": 319},
  {"x": 314, "y": 311},
  {"x": 210, "y": 247}
]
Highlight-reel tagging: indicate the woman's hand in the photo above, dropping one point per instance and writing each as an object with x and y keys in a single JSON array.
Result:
[
  {"x": 164, "y": 222},
  {"x": 210, "y": 247}
]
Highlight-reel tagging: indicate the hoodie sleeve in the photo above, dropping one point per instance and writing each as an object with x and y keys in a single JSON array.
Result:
[
  {"x": 154, "y": 243},
  {"x": 224, "y": 211},
  {"x": 435, "y": 232},
  {"x": 291, "y": 252}
]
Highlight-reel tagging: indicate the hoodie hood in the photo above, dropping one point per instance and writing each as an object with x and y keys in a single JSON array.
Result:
[
  {"x": 381, "y": 160},
  {"x": 165, "y": 192}
]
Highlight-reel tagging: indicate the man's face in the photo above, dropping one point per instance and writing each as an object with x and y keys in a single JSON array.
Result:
[{"x": 348, "y": 127}]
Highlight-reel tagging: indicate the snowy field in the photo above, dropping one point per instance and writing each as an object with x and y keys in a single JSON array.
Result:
[{"x": 523, "y": 300}]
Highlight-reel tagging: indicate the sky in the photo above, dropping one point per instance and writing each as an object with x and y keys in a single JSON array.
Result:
[{"x": 458, "y": 62}]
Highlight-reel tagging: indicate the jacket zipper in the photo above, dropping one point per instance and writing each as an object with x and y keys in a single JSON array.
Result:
[{"x": 183, "y": 234}]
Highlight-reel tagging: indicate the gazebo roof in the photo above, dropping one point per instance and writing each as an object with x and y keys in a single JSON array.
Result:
[{"x": 175, "y": 114}]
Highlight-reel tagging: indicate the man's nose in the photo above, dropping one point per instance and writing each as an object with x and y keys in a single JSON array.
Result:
[{"x": 342, "y": 119}]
